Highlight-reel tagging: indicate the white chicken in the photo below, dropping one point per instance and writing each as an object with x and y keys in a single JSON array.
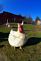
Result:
[{"x": 17, "y": 38}]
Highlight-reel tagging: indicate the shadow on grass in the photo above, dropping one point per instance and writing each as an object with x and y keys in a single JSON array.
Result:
[
  {"x": 32, "y": 41},
  {"x": 3, "y": 37}
]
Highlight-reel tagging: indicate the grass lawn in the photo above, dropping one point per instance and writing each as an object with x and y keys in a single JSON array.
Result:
[{"x": 31, "y": 51}]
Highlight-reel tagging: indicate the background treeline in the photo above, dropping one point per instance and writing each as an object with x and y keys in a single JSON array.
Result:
[{"x": 16, "y": 18}]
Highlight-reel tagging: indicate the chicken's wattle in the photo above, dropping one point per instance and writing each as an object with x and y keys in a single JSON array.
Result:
[{"x": 21, "y": 29}]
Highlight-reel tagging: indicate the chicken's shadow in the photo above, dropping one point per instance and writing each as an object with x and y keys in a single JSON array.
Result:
[
  {"x": 32, "y": 41},
  {"x": 3, "y": 37}
]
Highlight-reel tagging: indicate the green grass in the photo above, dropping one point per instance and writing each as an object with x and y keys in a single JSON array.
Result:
[
  {"x": 28, "y": 26},
  {"x": 31, "y": 51}
]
